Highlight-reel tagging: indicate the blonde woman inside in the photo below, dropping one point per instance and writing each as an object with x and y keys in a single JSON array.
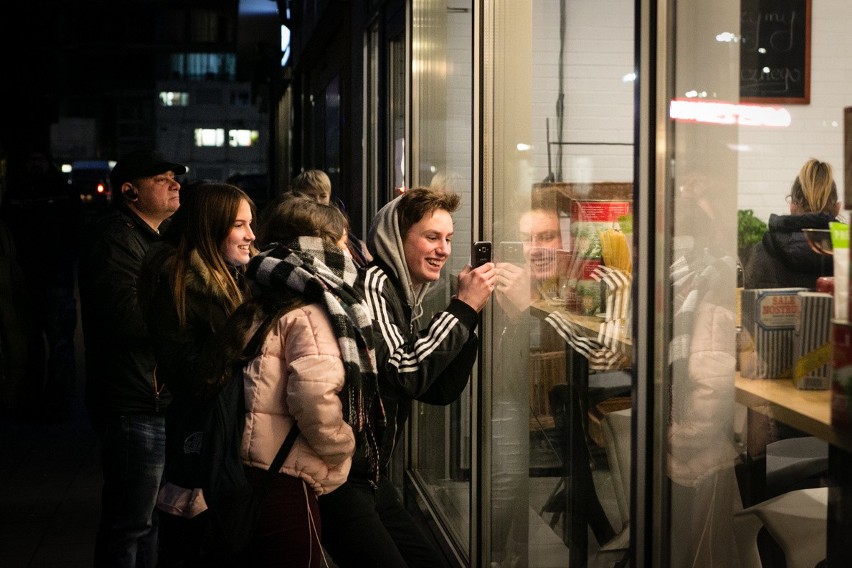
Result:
[{"x": 784, "y": 257}]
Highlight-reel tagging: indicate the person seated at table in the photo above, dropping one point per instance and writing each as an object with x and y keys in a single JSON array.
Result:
[{"x": 783, "y": 258}]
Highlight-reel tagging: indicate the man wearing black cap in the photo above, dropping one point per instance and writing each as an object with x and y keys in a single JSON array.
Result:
[{"x": 125, "y": 400}]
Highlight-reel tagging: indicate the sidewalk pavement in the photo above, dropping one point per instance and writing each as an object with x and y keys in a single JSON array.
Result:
[{"x": 50, "y": 482}]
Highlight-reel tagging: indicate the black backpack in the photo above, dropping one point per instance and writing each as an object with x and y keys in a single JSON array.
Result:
[{"x": 234, "y": 505}]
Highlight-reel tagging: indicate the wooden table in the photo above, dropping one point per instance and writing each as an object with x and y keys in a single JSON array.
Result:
[
  {"x": 809, "y": 411},
  {"x": 806, "y": 410}
]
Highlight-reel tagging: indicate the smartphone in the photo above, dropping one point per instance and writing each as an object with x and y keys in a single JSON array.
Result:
[
  {"x": 480, "y": 253},
  {"x": 512, "y": 252}
]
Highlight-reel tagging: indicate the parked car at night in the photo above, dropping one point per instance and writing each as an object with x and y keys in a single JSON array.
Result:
[{"x": 90, "y": 179}]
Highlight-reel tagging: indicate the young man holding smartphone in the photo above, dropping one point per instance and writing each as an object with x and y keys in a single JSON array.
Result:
[{"x": 364, "y": 521}]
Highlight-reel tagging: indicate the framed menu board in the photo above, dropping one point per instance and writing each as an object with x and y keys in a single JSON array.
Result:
[{"x": 775, "y": 51}]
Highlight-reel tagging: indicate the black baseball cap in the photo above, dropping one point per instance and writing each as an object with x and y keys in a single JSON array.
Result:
[{"x": 140, "y": 164}]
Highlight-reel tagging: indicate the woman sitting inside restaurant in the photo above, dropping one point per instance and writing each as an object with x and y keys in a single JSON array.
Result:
[{"x": 783, "y": 258}]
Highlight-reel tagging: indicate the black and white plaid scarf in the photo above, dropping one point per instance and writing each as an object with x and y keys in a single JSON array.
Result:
[{"x": 320, "y": 272}]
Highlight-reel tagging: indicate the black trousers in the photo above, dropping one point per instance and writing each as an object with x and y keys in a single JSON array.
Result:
[{"x": 364, "y": 528}]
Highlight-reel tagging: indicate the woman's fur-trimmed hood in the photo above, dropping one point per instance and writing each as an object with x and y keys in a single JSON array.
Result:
[{"x": 199, "y": 278}]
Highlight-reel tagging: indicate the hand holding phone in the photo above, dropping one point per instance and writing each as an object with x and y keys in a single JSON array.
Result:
[{"x": 480, "y": 253}]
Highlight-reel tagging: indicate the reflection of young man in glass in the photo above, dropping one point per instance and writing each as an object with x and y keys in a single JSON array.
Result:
[
  {"x": 519, "y": 431},
  {"x": 530, "y": 365},
  {"x": 546, "y": 260},
  {"x": 542, "y": 237}
]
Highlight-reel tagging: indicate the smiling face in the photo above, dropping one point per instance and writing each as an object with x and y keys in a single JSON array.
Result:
[
  {"x": 427, "y": 246},
  {"x": 236, "y": 248},
  {"x": 542, "y": 237}
]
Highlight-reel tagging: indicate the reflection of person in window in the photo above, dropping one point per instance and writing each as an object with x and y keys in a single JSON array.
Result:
[
  {"x": 518, "y": 424},
  {"x": 702, "y": 364},
  {"x": 538, "y": 278},
  {"x": 542, "y": 237},
  {"x": 552, "y": 273},
  {"x": 519, "y": 285}
]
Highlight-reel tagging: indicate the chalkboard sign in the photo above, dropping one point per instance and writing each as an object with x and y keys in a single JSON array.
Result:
[{"x": 775, "y": 51}]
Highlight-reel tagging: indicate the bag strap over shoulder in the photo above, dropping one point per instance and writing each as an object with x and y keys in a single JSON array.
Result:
[
  {"x": 251, "y": 351},
  {"x": 276, "y": 464},
  {"x": 252, "y": 348}
]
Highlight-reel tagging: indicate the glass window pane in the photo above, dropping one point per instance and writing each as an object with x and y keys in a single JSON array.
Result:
[
  {"x": 558, "y": 156},
  {"x": 737, "y": 138},
  {"x": 441, "y": 153}
]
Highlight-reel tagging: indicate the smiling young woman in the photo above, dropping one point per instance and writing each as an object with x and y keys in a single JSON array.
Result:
[{"x": 191, "y": 283}]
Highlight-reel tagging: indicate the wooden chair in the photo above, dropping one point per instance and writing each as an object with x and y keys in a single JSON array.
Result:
[{"x": 546, "y": 369}]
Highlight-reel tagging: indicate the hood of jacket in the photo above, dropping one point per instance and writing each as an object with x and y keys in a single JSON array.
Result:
[
  {"x": 385, "y": 243},
  {"x": 785, "y": 241}
]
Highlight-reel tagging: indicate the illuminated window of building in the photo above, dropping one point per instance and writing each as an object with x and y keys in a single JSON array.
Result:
[
  {"x": 242, "y": 137},
  {"x": 210, "y": 137},
  {"x": 200, "y": 66},
  {"x": 174, "y": 99}
]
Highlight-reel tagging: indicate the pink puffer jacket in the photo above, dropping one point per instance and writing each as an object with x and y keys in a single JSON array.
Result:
[{"x": 298, "y": 376}]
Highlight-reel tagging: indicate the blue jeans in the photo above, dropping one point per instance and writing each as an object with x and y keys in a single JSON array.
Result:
[{"x": 133, "y": 450}]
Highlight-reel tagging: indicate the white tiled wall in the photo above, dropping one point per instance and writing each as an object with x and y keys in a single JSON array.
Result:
[
  {"x": 774, "y": 156},
  {"x": 599, "y": 103}
]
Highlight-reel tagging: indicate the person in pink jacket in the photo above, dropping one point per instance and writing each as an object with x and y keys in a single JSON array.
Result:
[{"x": 316, "y": 368}]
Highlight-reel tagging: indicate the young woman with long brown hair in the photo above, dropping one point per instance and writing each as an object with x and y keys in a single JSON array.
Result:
[{"x": 191, "y": 283}]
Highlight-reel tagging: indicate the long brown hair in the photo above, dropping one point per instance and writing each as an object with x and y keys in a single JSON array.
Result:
[
  {"x": 207, "y": 214},
  {"x": 295, "y": 215}
]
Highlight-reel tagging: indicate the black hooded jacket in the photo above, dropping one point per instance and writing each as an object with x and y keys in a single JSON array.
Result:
[
  {"x": 784, "y": 258},
  {"x": 418, "y": 360}
]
